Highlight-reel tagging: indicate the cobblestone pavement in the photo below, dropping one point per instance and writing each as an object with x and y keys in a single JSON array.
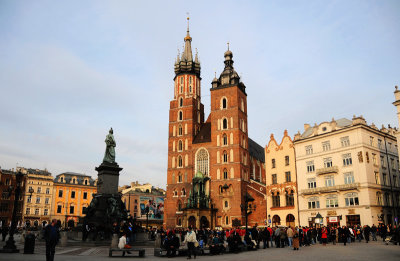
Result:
[{"x": 355, "y": 251}]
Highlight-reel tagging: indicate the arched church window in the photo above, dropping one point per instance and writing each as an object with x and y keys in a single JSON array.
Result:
[
  {"x": 224, "y": 124},
  {"x": 180, "y": 116},
  {"x": 225, "y": 174},
  {"x": 180, "y": 162},
  {"x": 180, "y": 102},
  {"x": 224, "y": 103},
  {"x": 225, "y": 157},
  {"x": 202, "y": 161},
  {"x": 225, "y": 139},
  {"x": 180, "y": 145},
  {"x": 227, "y": 220},
  {"x": 183, "y": 192},
  {"x": 180, "y": 131}
]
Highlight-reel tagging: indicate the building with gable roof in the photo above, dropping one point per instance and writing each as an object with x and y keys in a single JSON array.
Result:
[{"x": 281, "y": 182}]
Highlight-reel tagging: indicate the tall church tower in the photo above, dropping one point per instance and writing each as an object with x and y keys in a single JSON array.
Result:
[
  {"x": 230, "y": 166},
  {"x": 186, "y": 115}
]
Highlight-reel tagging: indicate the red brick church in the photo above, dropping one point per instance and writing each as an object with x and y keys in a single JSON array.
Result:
[{"x": 214, "y": 168}]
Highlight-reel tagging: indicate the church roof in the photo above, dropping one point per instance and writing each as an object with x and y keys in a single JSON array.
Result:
[
  {"x": 256, "y": 151},
  {"x": 204, "y": 134}
]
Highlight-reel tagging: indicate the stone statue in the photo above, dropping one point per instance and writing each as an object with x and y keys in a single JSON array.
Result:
[{"x": 109, "y": 156}]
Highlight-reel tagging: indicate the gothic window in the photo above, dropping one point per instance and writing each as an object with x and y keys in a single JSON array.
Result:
[
  {"x": 180, "y": 116},
  {"x": 224, "y": 103},
  {"x": 227, "y": 220},
  {"x": 225, "y": 139},
  {"x": 225, "y": 174},
  {"x": 202, "y": 161},
  {"x": 225, "y": 157},
  {"x": 224, "y": 124},
  {"x": 242, "y": 105},
  {"x": 180, "y": 131},
  {"x": 226, "y": 204},
  {"x": 180, "y": 162},
  {"x": 179, "y": 207},
  {"x": 175, "y": 193},
  {"x": 179, "y": 178},
  {"x": 183, "y": 192},
  {"x": 180, "y": 102},
  {"x": 180, "y": 145}
]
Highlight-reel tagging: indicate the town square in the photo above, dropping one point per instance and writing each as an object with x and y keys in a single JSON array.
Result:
[{"x": 215, "y": 130}]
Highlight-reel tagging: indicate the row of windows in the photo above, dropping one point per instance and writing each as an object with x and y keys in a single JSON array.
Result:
[
  {"x": 331, "y": 201},
  {"x": 288, "y": 177},
  {"x": 71, "y": 209},
  {"x": 75, "y": 181},
  {"x": 276, "y": 198},
  {"x": 346, "y": 159},
  {"x": 326, "y": 146},
  {"x": 380, "y": 145},
  {"x": 39, "y": 190},
  {"x": 37, "y": 211},
  {"x": 385, "y": 179},
  {"x": 191, "y": 81},
  {"x": 60, "y": 194},
  {"x": 38, "y": 199},
  {"x": 183, "y": 193},
  {"x": 273, "y": 162}
]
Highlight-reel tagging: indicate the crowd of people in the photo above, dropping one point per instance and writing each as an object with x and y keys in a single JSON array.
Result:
[{"x": 238, "y": 239}]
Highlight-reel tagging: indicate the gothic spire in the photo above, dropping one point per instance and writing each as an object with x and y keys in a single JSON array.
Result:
[
  {"x": 186, "y": 64},
  {"x": 187, "y": 53}
]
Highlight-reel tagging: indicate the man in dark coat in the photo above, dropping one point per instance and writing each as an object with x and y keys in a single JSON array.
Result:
[
  {"x": 366, "y": 231},
  {"x": 51, "y": 235}
]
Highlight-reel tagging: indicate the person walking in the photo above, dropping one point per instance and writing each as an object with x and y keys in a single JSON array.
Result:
[
  {"x": 290, "y": 234},
  {"x": 366, "y": 231},
  {"x": 51, "y": 236},
  {"x": 374, "y": 229},
  {"x": 296, "y": 242},
  {"x": 190, "y": 240}
]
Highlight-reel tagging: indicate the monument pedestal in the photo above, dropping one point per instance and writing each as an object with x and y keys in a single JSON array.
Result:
[{"x": 106, "y": 207}]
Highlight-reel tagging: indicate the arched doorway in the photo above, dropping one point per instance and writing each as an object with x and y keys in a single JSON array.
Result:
[
  {"x": 36, "y": 223},
  {"x": 204, "y": 222},
  {"x": 192, "y": 222},
  {"x": 290, "y": 220},
  {"x": 44, "y": 223},
  {"x": 276, "y": 220},
  {"x": 27, "y": 223},
  {"x": 71, "y": 223}
]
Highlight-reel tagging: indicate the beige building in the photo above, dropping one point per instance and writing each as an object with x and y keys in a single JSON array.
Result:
[
  {"x": 348, "y": 172},
  {"x": 281, "y": 183},
  {"x": 37, "y": 196}
]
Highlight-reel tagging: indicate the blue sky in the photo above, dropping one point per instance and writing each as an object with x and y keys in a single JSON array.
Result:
[{"x": 70, "y": 70}]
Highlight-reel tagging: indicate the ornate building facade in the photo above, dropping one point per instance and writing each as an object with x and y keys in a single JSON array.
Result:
[
  {"x": 38, "y": 197},
  {"x": 210, "y": 161},
  {"x": 281, "y": 184},
  {"x": 348, "y": 172},
  {"x": 72, "y": 194}
]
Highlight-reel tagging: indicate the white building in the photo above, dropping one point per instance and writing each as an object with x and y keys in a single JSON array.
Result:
[{"x": 348, "y": 172}]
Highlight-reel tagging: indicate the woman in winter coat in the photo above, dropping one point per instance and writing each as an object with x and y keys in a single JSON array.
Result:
[
  {"x": 324, "y": 235},
  {"x": 296, "y": 241}
]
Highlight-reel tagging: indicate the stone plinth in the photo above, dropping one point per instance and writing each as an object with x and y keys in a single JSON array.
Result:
[{"x": 108, "y": 176}]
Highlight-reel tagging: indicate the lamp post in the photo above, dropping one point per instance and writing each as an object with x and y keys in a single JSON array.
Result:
[
  {"x": 10, "y": 244},
  {"x": 246, "y": 208},
  {"x": 318, "y": 219}
]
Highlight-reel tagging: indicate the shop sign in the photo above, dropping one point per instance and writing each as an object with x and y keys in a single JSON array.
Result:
[
  {"x": 332, "y": 213},
  {"x": 333, "y": 220},
  {"x": 352, "y": 211}
]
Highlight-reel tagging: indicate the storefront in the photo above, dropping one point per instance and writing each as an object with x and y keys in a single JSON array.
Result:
[
  {"x": 333, "y": 221},
  {"x": 353, "y": 220}
]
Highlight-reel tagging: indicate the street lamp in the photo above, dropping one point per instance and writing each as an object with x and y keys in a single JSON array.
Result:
[
  {"x": 318, "y": 219},
  {"x": 10, "y": 244},
  {"x": 246, "y": 208}
]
